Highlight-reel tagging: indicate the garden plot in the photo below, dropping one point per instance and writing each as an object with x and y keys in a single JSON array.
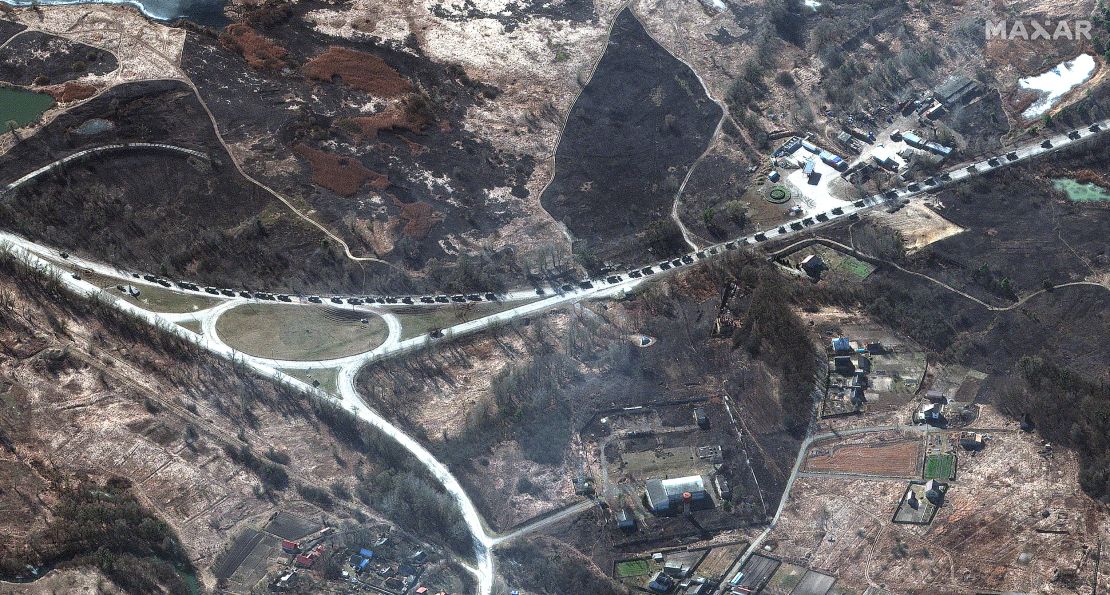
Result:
[{"x": 886, "y": 454}]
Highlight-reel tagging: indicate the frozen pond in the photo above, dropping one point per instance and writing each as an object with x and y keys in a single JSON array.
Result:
[{"x": 1056, "y": 83}]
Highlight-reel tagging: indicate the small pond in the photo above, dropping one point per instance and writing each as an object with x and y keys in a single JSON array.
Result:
[
  {"x": 94, "y": 126},
  {"x": 1082, "y": 191}
]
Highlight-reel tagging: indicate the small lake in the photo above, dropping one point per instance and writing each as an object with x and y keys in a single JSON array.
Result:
[
  {"x": 1056, "y": 83},
  {"x": 1082, "y": 191},
  {"x": 202, "y": 12},
  {"x": 94, "y": 126},
  {"x": 22, "y": 107}
]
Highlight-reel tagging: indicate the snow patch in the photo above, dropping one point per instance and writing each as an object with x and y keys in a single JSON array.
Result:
[{"x": 1057, "y": 82}]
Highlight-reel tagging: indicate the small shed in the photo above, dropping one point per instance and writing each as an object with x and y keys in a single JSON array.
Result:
[
  {"x": 626, "y": 521},
  {"x": 843, "y": 364},
  {"x": 864, "y": 364},
  {"x": 701, "y": 418}
]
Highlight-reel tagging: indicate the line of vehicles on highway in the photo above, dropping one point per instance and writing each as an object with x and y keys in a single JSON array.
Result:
[
  {"x": 462, "y": 298},
  {"x": 609, "y": 278},
  {"x": 315, "y": 299}
]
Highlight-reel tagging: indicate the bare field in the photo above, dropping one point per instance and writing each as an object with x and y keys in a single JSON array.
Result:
[
  {"x": 919, "y": 224},
  {"x": 881, "y": 455},
  {"x": 991, "y": 534}
]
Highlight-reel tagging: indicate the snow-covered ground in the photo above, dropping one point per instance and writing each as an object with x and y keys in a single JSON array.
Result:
[{"x": 1057, "y": 82}]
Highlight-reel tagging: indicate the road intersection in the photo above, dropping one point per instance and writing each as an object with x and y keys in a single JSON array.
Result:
[{"x": 533, "y": 301}]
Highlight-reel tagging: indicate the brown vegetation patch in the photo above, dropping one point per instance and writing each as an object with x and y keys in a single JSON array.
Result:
[
  {"x": 341, "y": 175},
  {"x": 895, "y": 458},
  {"x": 71, "y": 92},
  {"x": 1088, "y": 176},
  {"x": 419, "y": 218},
  {"x": 390, "y": 119},
  {"x": 360, "y": 70},
  {"x": 260, "y": 52}
]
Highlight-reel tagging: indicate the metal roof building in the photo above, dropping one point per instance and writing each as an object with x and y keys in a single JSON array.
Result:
[{"x": 667, "y": 495}]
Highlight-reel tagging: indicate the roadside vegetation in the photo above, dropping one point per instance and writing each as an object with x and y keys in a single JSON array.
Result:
[{"x": 544, "y": 565}]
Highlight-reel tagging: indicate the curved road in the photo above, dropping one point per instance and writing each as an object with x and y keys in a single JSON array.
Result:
[
  {"x": 45, "y": 258},
  {"x": 101, "y": 149}
]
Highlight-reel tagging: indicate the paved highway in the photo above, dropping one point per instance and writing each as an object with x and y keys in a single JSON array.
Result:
[
  {"x": 101, "y": 149},
  {"x": 607, "y": 286},
  {"x": 574, "y": 291}
]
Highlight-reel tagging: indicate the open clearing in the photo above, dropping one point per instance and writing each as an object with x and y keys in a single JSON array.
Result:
[
  {"x": 633, "y": 568},
  {"x": 325, "y": 379},
  {"x": 719, "y": 559},
  {"x": 192, "y": 325},
  {"x": 919, "y": 225},
  {"x": 896, "y": 458},
  {"x": 294, "y": 332},
  {"x": 421, "y": 320}
]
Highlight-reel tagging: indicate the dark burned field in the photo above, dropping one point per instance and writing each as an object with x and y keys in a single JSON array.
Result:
[
  {"x": 39, "y": 58},
  {"x": 629, "y": 140},
  {"x": 1020, "y": 231},
  {"x": 160, "y": 211},
  {"x": 404, "y": 183},
  {"x": 8, "y": 29}
]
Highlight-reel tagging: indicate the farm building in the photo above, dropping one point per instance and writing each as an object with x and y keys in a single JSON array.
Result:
[
  {"x": 625, "y": 520},
  {"x": 972, "y": 441},
  {"x": 701, "y": 418},
  {"x": 661, "y": 583},
  {"x": 934, "y": 492},
  {"x": 723, "y": 488},
  {"x": 955, "y": 88},
  {"x": 812, "y": 265},
  {"x": 843, "y": 365},
  {"x": 666, "y": 496},
  {"x": 841, "y": 345},
  {"x": 886, "y": 162},
  {"x": 676, "y": 568},
  {"x": 930, "y": 413}
]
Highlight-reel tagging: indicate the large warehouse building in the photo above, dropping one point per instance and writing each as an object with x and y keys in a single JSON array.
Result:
[{"x": 666, "y": 496}]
